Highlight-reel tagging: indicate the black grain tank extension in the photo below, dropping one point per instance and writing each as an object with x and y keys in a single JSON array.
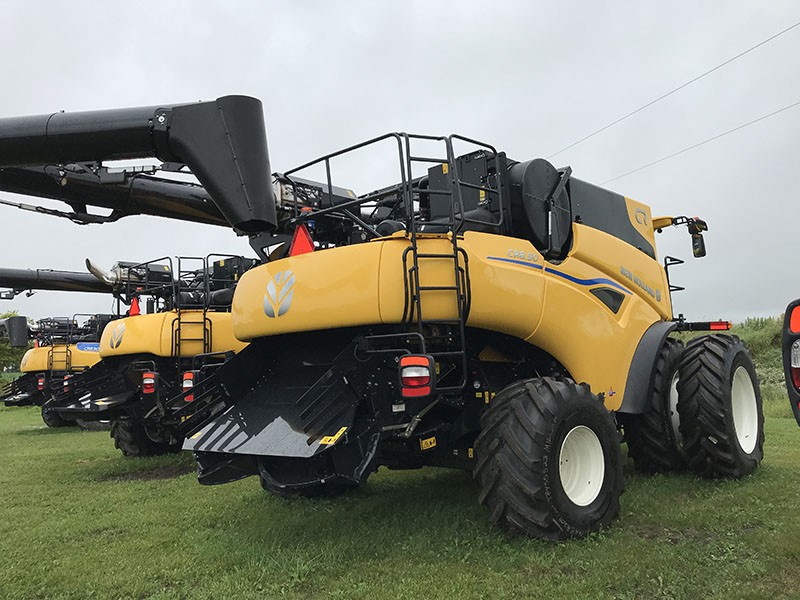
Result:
[{"x": 223, "y": 143}]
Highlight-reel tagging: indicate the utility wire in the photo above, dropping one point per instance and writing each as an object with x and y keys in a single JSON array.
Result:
[
  {"x": 698, "y": 144},
  {"x": 680, "y": 87}
]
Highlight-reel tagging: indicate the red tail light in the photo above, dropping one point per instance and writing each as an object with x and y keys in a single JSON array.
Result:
[
  {"x": 148, "y": 383},
  {"x": 794, "y": 320},
  {"x": 66, "y": 382},
  {"x": 40, "y": 384},
  {"x": 719, "y": 325},
  {"x": 416, "y": 375},
  {"x": 188, "y": 383}
]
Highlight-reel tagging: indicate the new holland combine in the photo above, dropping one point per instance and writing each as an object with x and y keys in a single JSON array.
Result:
[
  {"x": 63, "y": 348},
  {"x": 149, "y": 357},
  {"x": 478, "y": 312}
]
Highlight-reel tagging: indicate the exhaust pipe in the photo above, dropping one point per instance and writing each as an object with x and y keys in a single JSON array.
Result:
[
  {"x": 111, "y": 278},
  {"x": 223, "y": 143}
]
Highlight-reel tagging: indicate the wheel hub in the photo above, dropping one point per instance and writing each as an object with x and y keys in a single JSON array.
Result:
[
  {"x": 581, "y": 465},
  {"x": 745, "y": 411}
]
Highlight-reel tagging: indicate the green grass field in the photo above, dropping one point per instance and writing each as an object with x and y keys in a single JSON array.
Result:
[{"x": 80, "y": 521}]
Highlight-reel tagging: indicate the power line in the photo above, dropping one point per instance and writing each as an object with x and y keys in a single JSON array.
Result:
[
  {"x": 698, "y": 144},
  {"x": 680, "y": 87}
]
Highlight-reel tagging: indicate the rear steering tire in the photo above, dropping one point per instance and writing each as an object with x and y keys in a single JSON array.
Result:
[
  {"x": 653, "y": 437},
  {"x": 131, "y": 438},
  {"x": 722, "y": 422},
  {"x": 53, "y": 419},
  {"x": 548, "y": 460}
]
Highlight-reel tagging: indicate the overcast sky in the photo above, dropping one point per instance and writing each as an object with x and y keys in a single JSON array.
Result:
[{"x": 529, "y": 77}]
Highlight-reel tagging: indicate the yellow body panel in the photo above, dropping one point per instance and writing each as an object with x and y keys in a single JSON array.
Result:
[
  {"x": 60, "y": 357},
  {"x": 153, "y": 334},
  {"x": 513, "y": 291}
]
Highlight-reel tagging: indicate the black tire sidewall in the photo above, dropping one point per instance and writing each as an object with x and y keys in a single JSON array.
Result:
[
  {"x": 741, "y": 358},
  {"x": 569, "y": 516}
]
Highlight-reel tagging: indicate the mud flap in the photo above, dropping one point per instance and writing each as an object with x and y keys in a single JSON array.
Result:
[
  {"x": 89, "y": 409},
  {"x": 312, "y": 414},
  {"x": 22, "y": 391}
]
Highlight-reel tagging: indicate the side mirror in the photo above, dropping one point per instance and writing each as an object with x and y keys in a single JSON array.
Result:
[
  {"x": 698, "y": 245},
  {"x": 696, "y": 228}
]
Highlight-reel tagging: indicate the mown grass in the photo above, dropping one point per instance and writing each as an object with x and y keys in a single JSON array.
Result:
[{"x": 80, "y": 521}]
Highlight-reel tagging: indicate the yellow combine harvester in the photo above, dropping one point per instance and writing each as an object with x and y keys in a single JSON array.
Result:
[
  {"x": 148, "y": 357},
  {"x": 479, "y": 312}
]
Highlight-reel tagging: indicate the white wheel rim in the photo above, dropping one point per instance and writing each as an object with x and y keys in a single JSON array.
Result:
[
  {"x": 745, "y": 411},
  {"x": 581, "y": 465},
  {"x": 674, "y": 415}
]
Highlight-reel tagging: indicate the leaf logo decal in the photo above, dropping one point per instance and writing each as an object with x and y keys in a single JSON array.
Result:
[
  {"x": 278, "y": 298},
  {"x": 116, "y": 336}
]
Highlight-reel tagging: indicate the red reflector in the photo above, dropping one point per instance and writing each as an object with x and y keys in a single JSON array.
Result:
[
  {"x": 719, "y": 325},
  {"x": 66, "y": 383},
  {"x": 794, "y": 320},
  {"x": 301, "y": 241},
  {"x": 134, "y": 307},
  {"x": 796, "y": 377},
  {"x": 148, "y": 383},
  {"x": 417, "y": 381},
  {"x": 411, "y": 392},
  {"x": 40, "y": 384},
  {"x": 188, "y": 383}
]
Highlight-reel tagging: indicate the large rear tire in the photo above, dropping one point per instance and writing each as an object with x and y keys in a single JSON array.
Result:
[
  {"x": 53, "y": 419},
  {"x": 653, "y": 437},
  {"x": 722, "y": 422},
  {"x": 131, "y": 438},
  {"x": 548, "y": 460}
]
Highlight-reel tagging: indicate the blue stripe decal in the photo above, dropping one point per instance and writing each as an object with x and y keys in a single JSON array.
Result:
[{"x": 597, "y": 281}]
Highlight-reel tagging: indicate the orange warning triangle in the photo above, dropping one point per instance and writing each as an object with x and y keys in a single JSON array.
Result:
[
  {"x": 134, "y": 307},
  {"x": 301, "y": 241}
]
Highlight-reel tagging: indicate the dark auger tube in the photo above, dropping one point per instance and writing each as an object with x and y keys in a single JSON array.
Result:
[
  {"x": 223, "y": 143},
  {"x": 135, "y": 195},
  {"x": 46, "y": 279}
]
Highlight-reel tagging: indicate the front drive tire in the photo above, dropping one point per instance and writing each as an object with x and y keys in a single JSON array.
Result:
[
  {"x": 653, "y": 437},
  {"x": 548, "y": 460},
  {"x": 722, "y": 422}
]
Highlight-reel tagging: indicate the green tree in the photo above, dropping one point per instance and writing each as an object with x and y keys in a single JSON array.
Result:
[{"x": 9, "y": 357}]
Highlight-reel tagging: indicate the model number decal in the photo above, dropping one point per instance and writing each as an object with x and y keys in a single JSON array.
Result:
[{"x": 523, "y": 255}]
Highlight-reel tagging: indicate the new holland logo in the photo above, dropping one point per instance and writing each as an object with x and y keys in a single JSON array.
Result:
[
  {"x": 116, "y": 336},
  {"x": 278, "y": 298}
]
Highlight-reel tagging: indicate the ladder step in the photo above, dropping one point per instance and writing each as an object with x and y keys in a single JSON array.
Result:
[
  {"x": 450, "y": 353},
  {"x": 424, "y": 288},
  {"x": 450, "y": 256}
]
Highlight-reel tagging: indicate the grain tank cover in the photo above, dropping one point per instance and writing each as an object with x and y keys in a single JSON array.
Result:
[{"x": 223, "y": 143}]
